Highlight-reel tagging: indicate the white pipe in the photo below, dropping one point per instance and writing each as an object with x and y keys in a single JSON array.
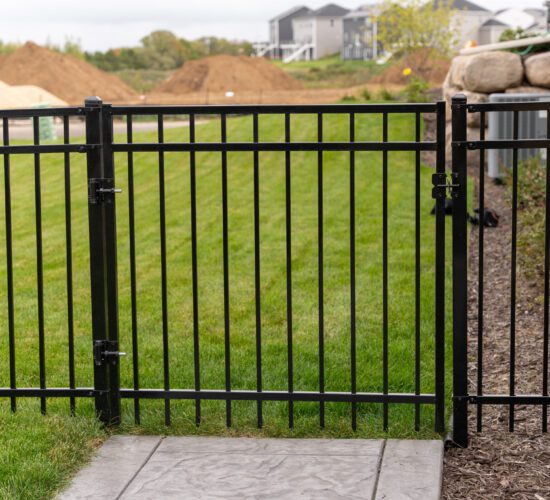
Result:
[{"x": 512, "y": 44}]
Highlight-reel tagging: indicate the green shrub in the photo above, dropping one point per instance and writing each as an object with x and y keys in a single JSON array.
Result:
[
  {"x": 348, "y": 98},
  {"x": 386, "y": 95},
  {"x": 531, "y": 215},
  {"x": 416, "y": 90},
  {"x": 366, "y": 95}
]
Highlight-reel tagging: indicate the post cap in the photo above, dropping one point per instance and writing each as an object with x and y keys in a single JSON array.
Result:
[
  {"x": 459, "y": 98},
  {"x": 93, "y": 102}
]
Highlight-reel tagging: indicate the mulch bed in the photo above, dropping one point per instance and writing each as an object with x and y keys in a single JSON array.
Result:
[{"x": 499, "y": 464}]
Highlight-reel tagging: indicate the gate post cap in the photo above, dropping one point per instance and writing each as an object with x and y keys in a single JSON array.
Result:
[
  {"x": 93, "y": 102},
  {"x": 459, "y": 98}
]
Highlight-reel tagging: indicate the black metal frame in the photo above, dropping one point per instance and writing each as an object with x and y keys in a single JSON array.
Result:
[
  {"x": 100, "y": 150},
  {"x": 461, "y": 145}
]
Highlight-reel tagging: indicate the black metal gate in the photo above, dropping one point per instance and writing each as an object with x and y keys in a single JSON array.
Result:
[{"x": 100, "y": 148}]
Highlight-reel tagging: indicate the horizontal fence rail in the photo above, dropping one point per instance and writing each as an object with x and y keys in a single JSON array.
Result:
[
  {"x": 461, "y": 144},
  {"x": 104, "y": 154}
]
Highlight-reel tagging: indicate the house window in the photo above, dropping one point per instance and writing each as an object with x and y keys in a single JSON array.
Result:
[{"x": 332, "y": 23}]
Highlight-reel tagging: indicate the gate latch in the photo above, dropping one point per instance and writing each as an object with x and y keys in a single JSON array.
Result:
[
  {"x": 106, "y": 352},
  {"x": 443, "y": 184},
  {"x": 101, "y": 191}
]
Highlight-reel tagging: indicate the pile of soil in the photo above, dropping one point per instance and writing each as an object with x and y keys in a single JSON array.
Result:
[
  {"x": 433, "y": 67},
  {"x": 67, "y": 77},
  {"x": 224, "y": 73}
]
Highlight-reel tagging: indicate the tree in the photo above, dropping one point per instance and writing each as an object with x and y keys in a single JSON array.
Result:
[
  {"x": 163, "y": 50},
  {"x": 406, "y": 27}
]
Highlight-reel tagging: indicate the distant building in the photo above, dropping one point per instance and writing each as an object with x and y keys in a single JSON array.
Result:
[
  {"x": 281, "y": 31},
  {"x": 468, "y": 17},
  {"x": 302, "y": 33},
  {"x": 360, "y": 34},
  {"x": 479, "y": 25},
  {"x": 318, "y": 33},
  {"x": 490, "y": 31}
]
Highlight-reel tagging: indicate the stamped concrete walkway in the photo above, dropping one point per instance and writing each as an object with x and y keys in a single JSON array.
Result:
[{"x": 152, "y": 467}]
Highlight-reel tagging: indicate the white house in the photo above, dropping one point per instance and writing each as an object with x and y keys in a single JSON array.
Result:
[
  {"x": 318, "y": 33},
  {"x": 481, "y": 26}
]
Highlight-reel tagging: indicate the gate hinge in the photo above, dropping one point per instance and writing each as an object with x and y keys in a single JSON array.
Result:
[
  {"x": 101, "y": 191},
  {"x": 106, "y": 352},
  {"x": 445, "y": 184}
]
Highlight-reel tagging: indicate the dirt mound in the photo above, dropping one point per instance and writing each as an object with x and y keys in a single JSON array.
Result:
[
  {"x": 432, "y": 67},
  {"x": 224, "y": 73},
  {"x": 67, "y": 77}
]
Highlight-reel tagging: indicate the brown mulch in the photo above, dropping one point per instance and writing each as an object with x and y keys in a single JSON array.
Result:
[
  {"x": 65, "y": 76},
  {"x": 499, "y": 464},
  {"x": 223, "y": 73}
]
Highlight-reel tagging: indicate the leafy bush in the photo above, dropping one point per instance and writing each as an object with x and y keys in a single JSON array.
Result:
[
  {"x": 385, "y": 95},
  {"x": 348, "y": 98},
  {"x": 416, "y": 90},
  {"x": 366, "y": 95}
]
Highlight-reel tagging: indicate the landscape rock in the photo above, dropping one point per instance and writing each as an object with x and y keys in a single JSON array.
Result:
[
  {"x": 456, "y": 72},
  {"x": 493, "y": 72},
  {"x": 526, "y": 89},
  {"x": 537, "y": 69},
  {"x": 448, "y": 92},
  {"x": 475, "y": 98},
  {"x": 473, "y": 156}
]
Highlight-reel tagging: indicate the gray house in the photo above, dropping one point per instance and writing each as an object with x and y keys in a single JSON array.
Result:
[
  {"x": 281, "y": 32},
  {"x": 360, "y": 40},
  {"x": 302, "y": 33}
]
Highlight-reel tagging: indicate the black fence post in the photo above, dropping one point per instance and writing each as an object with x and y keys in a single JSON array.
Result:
[
  {"x": 460, "y": 273},
  {"x": 103, "y": 259}
]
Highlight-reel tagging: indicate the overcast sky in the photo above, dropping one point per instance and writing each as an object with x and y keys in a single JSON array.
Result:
[{"x": 102, "y": 24}]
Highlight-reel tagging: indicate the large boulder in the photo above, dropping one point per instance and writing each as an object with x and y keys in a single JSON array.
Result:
[
  {"x": 473, "y": 98},
  {"x": 456, "y": 71},
  {"x": 474, "y": 119},
  {"x": 526, "y": 89},
  {"x": 493, "y": 72},
  {"x": 448, "y": 92},
  {"x": 537, "y": 69}
]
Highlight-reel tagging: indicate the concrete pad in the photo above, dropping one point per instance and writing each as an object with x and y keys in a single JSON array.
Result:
[
  {"x": 145, "y": 467},
  {"x": 114, "y": 466},
  {"x": 411, "y": 470},
  {"x": 243, "y": 468}
]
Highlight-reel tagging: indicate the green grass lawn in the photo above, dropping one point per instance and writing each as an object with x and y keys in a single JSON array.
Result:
[
  {"x": 332, "y": 72},
  {"x": 28, "y": 430}
]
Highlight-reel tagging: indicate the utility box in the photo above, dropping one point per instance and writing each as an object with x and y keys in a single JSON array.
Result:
[
  {"x": 532, "y": 125},
  {"x": 46, "y": 125}
]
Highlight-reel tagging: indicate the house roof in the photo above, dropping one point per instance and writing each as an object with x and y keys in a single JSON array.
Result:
[
  {"x": 364, "y": 11},
  {"x": 357, "y": 14},
  {"x": 460, "y": 5},
  {"x": 330, "y": 10},
  {"x": 290, "y": 12},
  {"x": 516, "y": 18},
  {"x": 493, "y": 22}
]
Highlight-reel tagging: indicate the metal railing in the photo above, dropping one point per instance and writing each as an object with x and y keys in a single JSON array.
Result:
[{"x": 461, "y": 145}]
